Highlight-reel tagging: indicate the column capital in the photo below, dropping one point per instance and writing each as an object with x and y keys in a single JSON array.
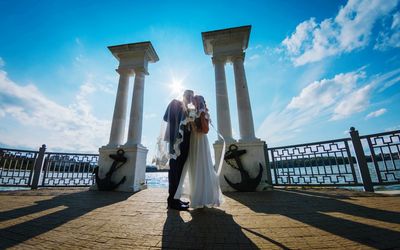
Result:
[
  {"x": 125, "y": 71},
  {"x": 238, "y": 57},
  {"x": 140, "y": 70},
  {"x": 219, "y": 59}
]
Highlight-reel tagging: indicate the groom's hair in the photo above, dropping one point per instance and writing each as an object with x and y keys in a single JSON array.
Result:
[
  {"x": 188, "y": 92},
  {"x": 186, "y": 96}
]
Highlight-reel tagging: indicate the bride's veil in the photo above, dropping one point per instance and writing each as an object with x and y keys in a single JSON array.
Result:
[
  {"x": 161, "y": 156},
  {"x": 167, "y": 144}
]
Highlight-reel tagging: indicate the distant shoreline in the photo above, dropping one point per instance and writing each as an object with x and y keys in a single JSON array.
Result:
[{"x": 154, "y": 169}]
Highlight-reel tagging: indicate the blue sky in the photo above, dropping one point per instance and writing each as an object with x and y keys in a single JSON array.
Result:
[{"x": 314, "y": 68}]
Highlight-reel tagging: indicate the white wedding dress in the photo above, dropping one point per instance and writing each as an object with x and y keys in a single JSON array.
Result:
[{"x": 199, "y": 182}]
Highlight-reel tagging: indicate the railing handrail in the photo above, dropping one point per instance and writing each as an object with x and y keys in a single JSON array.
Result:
[
  {"x": 380, "y": 134},
  {"x": 61, "y": 153},
  {"x": 47, "y": 152},
  {"x": 311, "y": 143},
  {"x": 20, "y": 150}
]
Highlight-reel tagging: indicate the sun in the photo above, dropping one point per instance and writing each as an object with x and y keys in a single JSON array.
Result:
[{"x": 176, "y": 87}]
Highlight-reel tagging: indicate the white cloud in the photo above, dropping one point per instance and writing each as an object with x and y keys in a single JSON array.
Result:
[
  {"x": 393, "y": 128},
  {"x": 390, "y": 37},
  {"x": 389, "y": 79},
  {"x": 106, "y": 88},
  {"x": 353, "y": 103},
  {"x": 70, "y": 128},
  {"x": 376, "y": 113},
  {"x": 78, "y": 41},
  {"x": 316, "y": 101},
  {"x": 326, "y": 92},
  {"x": 150, "y": 116},
  {"x": 349, "y": 30},
  {"x": 254, "y": 57},
  {"x": 300, "y": 39},
  {"x": 79, "y": 58},
  {"x": 325, "y": 100}
]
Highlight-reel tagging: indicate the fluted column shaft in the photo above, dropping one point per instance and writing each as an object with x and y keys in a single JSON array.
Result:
[
  {"x": 246, "y": 125},
  {"x": 136, "y": 116},
  {"x": 223, "y": 114},
  {"x": 121, "y": 101}
]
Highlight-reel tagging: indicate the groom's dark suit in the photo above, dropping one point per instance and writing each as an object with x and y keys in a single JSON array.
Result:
[{"x": 174, "y": 115}]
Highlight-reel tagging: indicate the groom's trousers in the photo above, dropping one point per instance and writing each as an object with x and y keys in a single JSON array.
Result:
[{"x": 176, "y": 166}]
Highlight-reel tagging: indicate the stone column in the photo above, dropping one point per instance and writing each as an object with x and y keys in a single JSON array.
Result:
[
  {"x": 246, "y": 125},
  {"x": 136, "y": 116},
  {"x": 223, "y": 114},
  {"x": 121, "y": 102}
]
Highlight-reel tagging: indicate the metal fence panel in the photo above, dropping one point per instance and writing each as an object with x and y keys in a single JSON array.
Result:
[
  {"x": 16, "y": 167},
  {"x": 384, "y": 155},
  {"x": 326, "y": 163},
  {"x": 69, "y": 169}
]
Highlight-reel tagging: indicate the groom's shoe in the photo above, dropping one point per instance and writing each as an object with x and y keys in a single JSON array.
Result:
[
  {"x": 181, "y": 202},
  {"x": 178, "y": 206},
  {"x": 186, "y": 203}
]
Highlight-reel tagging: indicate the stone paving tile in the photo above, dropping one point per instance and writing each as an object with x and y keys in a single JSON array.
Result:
[{"x": 277, "y": 219}]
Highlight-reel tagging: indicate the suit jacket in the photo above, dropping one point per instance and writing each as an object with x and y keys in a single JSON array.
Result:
[{"x": 174, "y": 115}]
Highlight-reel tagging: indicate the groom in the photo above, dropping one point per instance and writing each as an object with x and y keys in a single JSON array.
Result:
[{"x": 175, "y": 113}]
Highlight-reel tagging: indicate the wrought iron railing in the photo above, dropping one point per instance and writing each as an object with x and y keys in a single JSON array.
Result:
[
  {"x": 23, "y": 168},
  {"x": 366, "y": 161},
  {"x": 384, "y": 150},
  {"x": 326, "y": 163},
  {"x": 16, "y": 167},
  {"x": 69, "y": 169}
]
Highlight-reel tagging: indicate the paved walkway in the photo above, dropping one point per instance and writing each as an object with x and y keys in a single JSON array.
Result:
[{"x": 279, "y": 219}]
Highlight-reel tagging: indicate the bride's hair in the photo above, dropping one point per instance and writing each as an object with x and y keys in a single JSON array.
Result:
[{"x": 199, "y": 102}]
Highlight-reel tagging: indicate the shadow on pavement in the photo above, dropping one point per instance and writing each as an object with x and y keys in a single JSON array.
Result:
[
  {"x": 64, "y": 208},
  {"x": 208, "y": 228},
  {"x": 311, "y": 208}
]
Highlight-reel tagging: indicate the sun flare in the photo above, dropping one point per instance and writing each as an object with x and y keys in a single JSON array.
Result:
[{"x": 176, "y": 87}]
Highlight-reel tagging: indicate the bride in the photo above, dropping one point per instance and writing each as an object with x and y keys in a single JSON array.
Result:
[{"x": 199, "y": 182}]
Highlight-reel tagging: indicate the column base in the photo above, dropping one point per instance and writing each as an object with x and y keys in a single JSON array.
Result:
[
  {"x": 134, "y": 169},
  {"x": 132, "y": 144},
  {"x": 227, "y": 141},
  {"x": 250, "y": 161},
  {"x": 249, "y": 140}
]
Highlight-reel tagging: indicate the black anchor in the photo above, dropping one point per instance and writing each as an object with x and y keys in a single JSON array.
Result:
[
  {"x": 247, "y": 184},
  {"x": 106, "y": 184}
]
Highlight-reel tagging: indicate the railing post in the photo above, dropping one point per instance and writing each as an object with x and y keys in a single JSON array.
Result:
[
  {"x": 267, "y": 166},
  {"x": 38, "y": 167},
  {"x": 361, "y": 160}
]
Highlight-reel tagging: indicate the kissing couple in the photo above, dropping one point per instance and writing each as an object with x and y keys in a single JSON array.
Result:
[{"x": 191, "y": 174}]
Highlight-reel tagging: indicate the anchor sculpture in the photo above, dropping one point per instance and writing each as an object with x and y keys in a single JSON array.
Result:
[
  {"x": 106, "y": 184},
  {"x": 247, "y": 184}
]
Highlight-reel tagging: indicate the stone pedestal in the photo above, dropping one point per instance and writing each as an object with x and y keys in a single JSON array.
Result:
[
  {"x": 134, "y": 169},
  {"x": 250, "y": 160}
]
